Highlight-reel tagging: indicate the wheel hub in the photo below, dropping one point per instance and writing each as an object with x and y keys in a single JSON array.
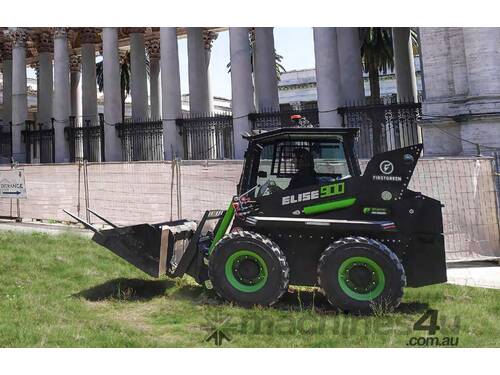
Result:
[
  {"x": 361, "y": 278},
  {"x": 247, "y": 270}
]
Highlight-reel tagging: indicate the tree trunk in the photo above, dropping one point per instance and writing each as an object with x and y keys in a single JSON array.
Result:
[
  {"x": 123, "y": 105},
  {"x": 374, "y": 84}
]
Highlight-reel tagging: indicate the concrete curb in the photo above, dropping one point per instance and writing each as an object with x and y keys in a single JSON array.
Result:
[{"x": 44, "y": 228}]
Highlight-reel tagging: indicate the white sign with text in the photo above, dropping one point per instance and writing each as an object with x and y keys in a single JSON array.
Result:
[{"x": 12, "y": 184}]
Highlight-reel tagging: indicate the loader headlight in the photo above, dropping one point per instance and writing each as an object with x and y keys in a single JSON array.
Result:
[{"x": 408, "y": 159}]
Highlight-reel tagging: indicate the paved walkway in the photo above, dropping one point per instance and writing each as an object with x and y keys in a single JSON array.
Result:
[{"x": 478, "y": 274}]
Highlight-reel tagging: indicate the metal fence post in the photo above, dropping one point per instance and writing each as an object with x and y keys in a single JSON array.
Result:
[
  {"x": 53, "y": 142},
  {"x": 101, "y": 125},
  {"x": 496, "y": 171}
]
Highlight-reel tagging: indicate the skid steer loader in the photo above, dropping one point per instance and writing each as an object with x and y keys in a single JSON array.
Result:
[{"x": 304, "y": 215}]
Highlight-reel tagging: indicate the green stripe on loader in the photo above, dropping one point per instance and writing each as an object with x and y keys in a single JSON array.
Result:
[
  {"x": 226, "y": 220},
  {"x": 329, "y": 206}
]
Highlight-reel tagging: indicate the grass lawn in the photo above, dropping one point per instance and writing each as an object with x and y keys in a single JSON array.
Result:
[{"x": 66, "y": 291}]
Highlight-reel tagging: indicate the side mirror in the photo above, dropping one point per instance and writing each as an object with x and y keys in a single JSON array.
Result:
[{"x": 262, "y": 174}]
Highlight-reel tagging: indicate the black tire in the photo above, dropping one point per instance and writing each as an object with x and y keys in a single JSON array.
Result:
[
  {"x": 361, "y": 275},
  {"x": 248, "y": 269}
]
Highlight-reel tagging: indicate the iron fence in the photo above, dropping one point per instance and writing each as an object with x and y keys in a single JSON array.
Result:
[
  {"x": 85, "y": 136},
  {"x": 207, "y": 136},
  {"x": 6, "y": 142},
  {"x": 383, "y": 125},
  {"x": 39, "y": 142},
  {"x": 269, "y": 119},
  {"x": 141, "y": 139}
]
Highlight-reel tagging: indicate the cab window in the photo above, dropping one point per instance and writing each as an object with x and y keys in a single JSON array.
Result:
[{"x": 290, "y": 165}]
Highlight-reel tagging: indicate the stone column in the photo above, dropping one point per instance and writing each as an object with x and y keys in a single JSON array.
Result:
[
  {"x": 266, "y": 81},
  {"x": 35, "y": 65},
  {"x": 171, "y": 93},
  {"x": 153, "y": 47},
  {"x": 138, "y": 79},
  {"x": 88, "y": 39},
  {"x": 208, "y": 40},
  {"x": 420, "y": 60},
  {"x": 45, "y": 47},
  {"x": 241, "y": 87},
  {"x": 112, "y": 93},
  {"x": 7, "y": 83},
  {"x": 62, "y": 94},
  {"x": 328, "y": 76},
  {"x": 351, "y": 68},
  {"x": 19, "y": 95},
  {"x": 199, "y": 101},
  {"x": 404, "y": 64},
  {"x": 76, "y": 87}
]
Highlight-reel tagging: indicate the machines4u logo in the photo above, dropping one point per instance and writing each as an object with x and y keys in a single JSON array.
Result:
[{"x": 323, "y": 192}]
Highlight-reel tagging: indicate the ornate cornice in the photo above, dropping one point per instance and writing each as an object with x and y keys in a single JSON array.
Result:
[
  {"x": 153, "y": 47},
  {"x": 88, "y": 35},
  {"x": 135, "y": 30},
  {"x": 44, "y": 42},
  {"x": 19, "y": 37},
  {"x": 7, "y": 50},
  {"x": 124, "y": 32},
  {"x": 34, "y": 65},
  {"x": 208, "y": 38},
  {"x": 74, "y": 63},
  {"x": 60, "y": 32}
]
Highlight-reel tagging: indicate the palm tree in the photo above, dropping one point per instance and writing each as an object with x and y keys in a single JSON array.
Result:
[
  {"x": 277, "y": 57},
  {"x": 377, "y": 54},
  {"x": 125, "y": 73},
  {"x": 378, "y": 57}
]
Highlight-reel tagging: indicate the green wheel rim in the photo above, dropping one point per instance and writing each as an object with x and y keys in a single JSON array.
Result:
[
  {"x": 376, "y": 285},
  {"x": 250, "y": 286}
]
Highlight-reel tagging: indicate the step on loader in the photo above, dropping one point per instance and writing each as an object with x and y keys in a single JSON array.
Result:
[{"x": 303, "y": 215}]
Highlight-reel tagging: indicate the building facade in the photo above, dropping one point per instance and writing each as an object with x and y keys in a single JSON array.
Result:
[
  {"x": 460, "y": 82},
  {"x": 300, "y": 86}
]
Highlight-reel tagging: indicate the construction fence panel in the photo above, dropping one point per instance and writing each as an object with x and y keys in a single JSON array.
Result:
[
  {"x": 466, "y": 187},
  {"x": 137, "y": 192}
]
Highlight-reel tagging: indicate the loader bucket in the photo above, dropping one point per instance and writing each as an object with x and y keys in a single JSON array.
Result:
[
  {"x": 153, "y": 248},
  {"x": 146, "y": 246}
]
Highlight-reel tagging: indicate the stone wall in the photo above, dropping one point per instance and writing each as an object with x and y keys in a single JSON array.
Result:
[
  {"x": 462, "y": 88},
  {"x": 129, "y": 193}
]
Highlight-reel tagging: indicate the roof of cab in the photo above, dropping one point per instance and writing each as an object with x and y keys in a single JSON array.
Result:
[{"x": 283, "y": 133}]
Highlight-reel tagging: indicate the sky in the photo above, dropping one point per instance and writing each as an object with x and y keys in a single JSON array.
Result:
[{"x": 294, "y": 44}]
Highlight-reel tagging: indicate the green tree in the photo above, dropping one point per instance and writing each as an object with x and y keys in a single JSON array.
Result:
[
  {"x": 277, "y": 57},
  {"x": 125, "y": 73},
  {"x": 377, "y": 55}
]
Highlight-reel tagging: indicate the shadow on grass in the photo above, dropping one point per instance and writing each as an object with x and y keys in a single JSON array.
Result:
[
  {"x": 123, "y": 289},
  {"x": 307, "y": 300},
  {"x": 126, "y": 290}
]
